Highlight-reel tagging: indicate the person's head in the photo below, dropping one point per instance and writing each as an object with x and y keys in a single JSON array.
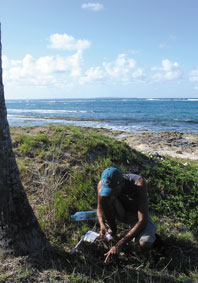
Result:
[{"x": 111, "y": 180}]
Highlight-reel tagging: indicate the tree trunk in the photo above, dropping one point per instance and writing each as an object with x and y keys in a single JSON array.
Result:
[{"x": 20, "y": 232}]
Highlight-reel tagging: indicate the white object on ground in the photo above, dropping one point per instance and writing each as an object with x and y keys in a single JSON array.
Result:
[
  {"x": 108, "y": 236},
  {"x": 90, "y": 237}
]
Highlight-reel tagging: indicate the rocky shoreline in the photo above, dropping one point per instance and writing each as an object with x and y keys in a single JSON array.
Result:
[{"x": 173, "y": 144}]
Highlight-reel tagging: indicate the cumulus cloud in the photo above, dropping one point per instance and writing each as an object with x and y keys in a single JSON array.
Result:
[
  {"x": 193, "y": 75},
  {"x": 117, "y": 68},
  {"x": 93, "y": 6},
  {"x": 50, "y": 64},
  {"x": 71, "y": 69},
  {"x": 121, "y": 66},
  {"x": 64, "y": 70},
  {"x": 48, "y": 70},
  {"x": 123, "y": 69},
  {"x": 138, "y": 74},
  {"x": 92, "y": 75},
  {"x": 68, "y": 42},
  {"x": 168, "y": 71},
  {"x": 42, "y": 71}
]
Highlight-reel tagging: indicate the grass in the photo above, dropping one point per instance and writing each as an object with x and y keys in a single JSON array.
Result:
[
  {"x": 60, "y": 167},
  {"x": 185, "y": 162}
]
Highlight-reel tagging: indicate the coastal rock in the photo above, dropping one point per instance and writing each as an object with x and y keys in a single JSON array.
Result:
[
  {"x": 174, "y": 144},
  {"x": 166, "y": 144}
]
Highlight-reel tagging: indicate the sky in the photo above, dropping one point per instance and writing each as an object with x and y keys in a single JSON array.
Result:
[{"x": 104, "y": 48}]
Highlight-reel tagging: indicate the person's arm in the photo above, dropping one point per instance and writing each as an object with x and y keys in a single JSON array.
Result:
[
  {"x": 100, "y": 215},
  {"x": 141, "y": 223},
  {"x": 104, "y": 210}
]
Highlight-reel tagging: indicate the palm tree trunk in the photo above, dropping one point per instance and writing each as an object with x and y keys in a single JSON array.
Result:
[{"x": 20, "y": 232}]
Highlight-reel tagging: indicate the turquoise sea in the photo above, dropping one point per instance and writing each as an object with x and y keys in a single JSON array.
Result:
[{"x": 125, "y": 114}]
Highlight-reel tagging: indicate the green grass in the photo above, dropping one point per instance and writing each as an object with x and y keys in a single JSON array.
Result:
[
  {"x": 186, "y": 162},
  {"x": 60, "y": 167}
]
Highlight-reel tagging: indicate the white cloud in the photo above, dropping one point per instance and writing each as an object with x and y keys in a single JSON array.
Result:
[
  {"x": 57, "y": 70},
  {"x": 75, "y": 61},
  {"x": 64, "y": 71},
  {"x": 68, "y": 42},
  {"x": 50, "y": 64},
  {"x": 193, "y": 75},
  {"x": 45, "y": 70},
  {"x": 138, "y": 74},
  {"x": 93, "y": 6},
  {"x": 167, "y": 72},
  {"x": 92, "y": 75},
  {"x": 4, "y": 61},
  {"x": 123, "y": 69},
  {"x": 132, "y": 63},
  {"x": 120, "y": 67}
]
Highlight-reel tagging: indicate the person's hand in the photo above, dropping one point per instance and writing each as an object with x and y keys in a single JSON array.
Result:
[
  {"x": 103, "y": 232},
  {"x": 113, "y": 251}
]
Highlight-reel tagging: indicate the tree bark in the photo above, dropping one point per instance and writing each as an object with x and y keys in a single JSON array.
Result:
[{"x": 20, "y": 232}]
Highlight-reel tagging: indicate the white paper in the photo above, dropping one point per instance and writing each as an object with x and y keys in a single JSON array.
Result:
[{"x": 90, "y": 236}]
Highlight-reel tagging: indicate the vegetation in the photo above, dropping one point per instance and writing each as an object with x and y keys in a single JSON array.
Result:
[{"x": 60, "y": 167}]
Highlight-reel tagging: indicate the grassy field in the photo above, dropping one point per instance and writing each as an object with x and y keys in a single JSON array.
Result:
[{"x": 60, "y": 167}]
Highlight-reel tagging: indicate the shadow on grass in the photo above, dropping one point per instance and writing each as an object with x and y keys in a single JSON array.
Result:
[{"x": 168, "y": 259}]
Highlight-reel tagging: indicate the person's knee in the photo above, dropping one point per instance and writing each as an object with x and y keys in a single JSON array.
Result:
[
  {"x": 146, "y": 245},
  {"x": 141, "y": 182}
]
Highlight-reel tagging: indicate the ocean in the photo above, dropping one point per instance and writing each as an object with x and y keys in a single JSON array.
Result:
[{"x": 124, "y": 114}]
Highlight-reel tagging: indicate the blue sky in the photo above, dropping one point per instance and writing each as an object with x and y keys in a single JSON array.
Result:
[{"x": 109, "y": 48}]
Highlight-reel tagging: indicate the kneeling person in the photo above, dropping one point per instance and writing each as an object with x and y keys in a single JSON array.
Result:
[{"x": 124, "y": 197}]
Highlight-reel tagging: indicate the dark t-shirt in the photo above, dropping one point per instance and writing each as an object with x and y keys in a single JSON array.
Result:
[{"x": 128, "y": 196}]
